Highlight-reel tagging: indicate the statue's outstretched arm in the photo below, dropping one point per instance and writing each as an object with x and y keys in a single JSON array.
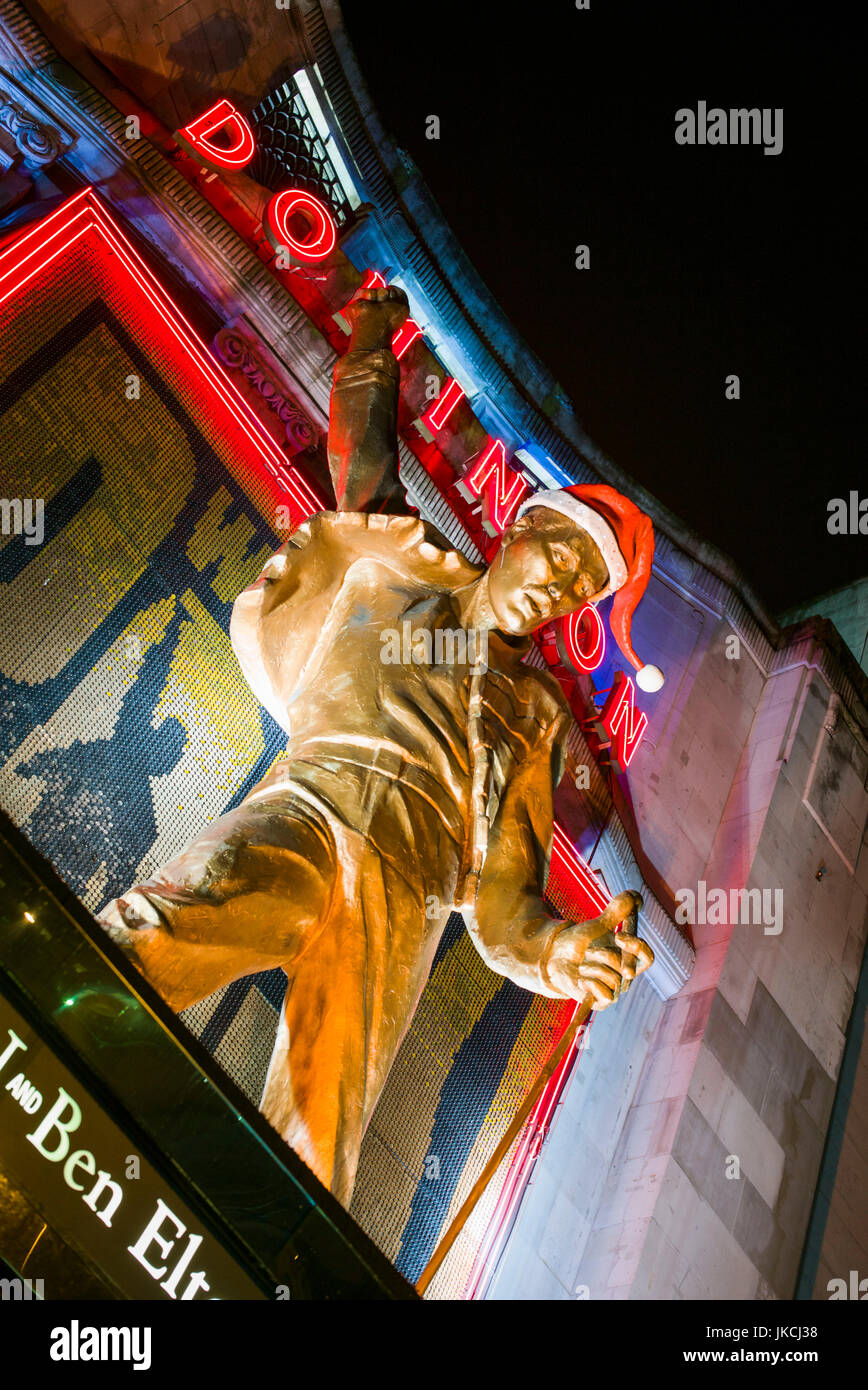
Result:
[
  {"x": 511, "y": 926},
  {"x": 363, "y": 418}
]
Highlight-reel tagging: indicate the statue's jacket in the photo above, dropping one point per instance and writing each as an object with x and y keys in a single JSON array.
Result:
[{"x": 387, "y": 754}]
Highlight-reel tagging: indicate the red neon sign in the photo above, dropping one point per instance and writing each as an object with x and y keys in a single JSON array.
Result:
[
  {"x": 226, "y": 117},
  {"x": 373, "y": 281},
  {"x": 83, "y": 215},
  {"x": 584, "y": 638},
  {"x": 322, "y": 233},
  {"x": 405, "y": 337},
  {"x": 504, "y": 488},
  {"x": 623, "y": 723},
  {"x": 566, "y": 860},
  {"x": 437, "y": 414},
  {"x": 577, "y": 880}
]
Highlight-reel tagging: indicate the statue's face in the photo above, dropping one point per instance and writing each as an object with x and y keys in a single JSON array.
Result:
[{"x": 546, "y": 567}]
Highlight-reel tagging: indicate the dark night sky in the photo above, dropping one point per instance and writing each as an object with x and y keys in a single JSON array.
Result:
[{"x": 557, "y": 127}]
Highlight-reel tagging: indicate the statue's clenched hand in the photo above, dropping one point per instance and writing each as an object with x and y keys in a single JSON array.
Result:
[
  {"x": 590, "y": 960},
  {"x": 375, "y": 316}
]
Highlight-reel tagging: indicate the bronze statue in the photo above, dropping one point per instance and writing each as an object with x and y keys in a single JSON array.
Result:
[{"x": 409, "y": 786}]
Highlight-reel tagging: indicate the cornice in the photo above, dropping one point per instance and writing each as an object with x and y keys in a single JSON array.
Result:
[
  {"x": 416, "y": 226},
  {"x": 220, "y": 262}
]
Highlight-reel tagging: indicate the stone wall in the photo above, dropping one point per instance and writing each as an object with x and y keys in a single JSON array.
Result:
[
  {"x": 837, "y": 1248},
  {"x": 549, "y": 1255},
  {"x": 752, "y": 777},
  {"x": 847, "y": 608}
]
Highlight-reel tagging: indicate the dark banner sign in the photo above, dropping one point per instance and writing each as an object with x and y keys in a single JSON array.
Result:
[{"x": 79, "y": 1169}]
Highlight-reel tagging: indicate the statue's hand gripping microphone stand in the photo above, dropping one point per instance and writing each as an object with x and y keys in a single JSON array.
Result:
[{"x": 566, "y": 1041}]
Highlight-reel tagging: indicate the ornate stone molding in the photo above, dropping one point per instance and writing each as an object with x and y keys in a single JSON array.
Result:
[
  {"x": 188, "y": 233},
  {"x": 29, "y": 135},
  {"x": 264, "y": 385}
]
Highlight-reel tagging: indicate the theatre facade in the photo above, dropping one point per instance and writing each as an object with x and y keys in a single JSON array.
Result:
[{"x": 187, "y": 206}]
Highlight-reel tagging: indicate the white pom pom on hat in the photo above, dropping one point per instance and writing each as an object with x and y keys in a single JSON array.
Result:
[{"x": 649, "y": 678}]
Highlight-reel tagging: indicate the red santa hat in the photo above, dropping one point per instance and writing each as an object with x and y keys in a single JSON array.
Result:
[{"x": 625, "y": 538}]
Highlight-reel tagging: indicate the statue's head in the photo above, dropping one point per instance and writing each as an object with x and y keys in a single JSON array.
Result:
[
  {"x": 546, "y": 567},
  {"x": 570, "y": 547}
]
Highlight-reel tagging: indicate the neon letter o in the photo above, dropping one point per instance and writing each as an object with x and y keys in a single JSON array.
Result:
[
  {"x": 585, "y": 638},
  {"x": 323, "y": 234}
]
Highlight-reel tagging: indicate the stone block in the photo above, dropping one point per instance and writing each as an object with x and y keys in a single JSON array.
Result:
[
  {"x": 633, "y": 1238},
  {"x": 696, "y": 1017},
  {"x": 654, "y": 1083},
  {"x": 678, "y": 1205},
  {"x": 825, "y": 1041},
  {"x": 671, "y": 1026},
  {"x": 757, "y": 1231},
  {"x": 692, "y": 1288},
  {"x": 632, "y": 1193},
  {"x": 716, "y": 1257},
  {"x": 772, "y": 1032},
  {"x": 700, "y": 819},
  {"x": 598, "y": 1259},
  {"x": 785, "y": 1273},
  {"x": 786, "y": 804},
  {"x": 775, "y": 1107},
  {"x": 783, "y": 688},
  {"x": 799, "y": 1181},
  {"x": 766, "y": 747},
  {"x": 661, "y": 1268},
  {"x": 529, "y": 1279},
  {"x": 683, "y": 1063},
  {"x": 666, "y": 1125},
  {"x": 702, "y": 1156},
  {"x": 739, "y": 1049},
  {"x": 744, "y": 1134},
  {"x": 562, "y": 1238},
  {"x": 773, "y": 712},
  {"x": 737, "y": 979},
  {"x": 710, "y": 1087}
]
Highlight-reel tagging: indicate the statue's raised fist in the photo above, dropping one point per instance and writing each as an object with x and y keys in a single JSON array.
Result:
[{"x": 376, "y": 315}]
